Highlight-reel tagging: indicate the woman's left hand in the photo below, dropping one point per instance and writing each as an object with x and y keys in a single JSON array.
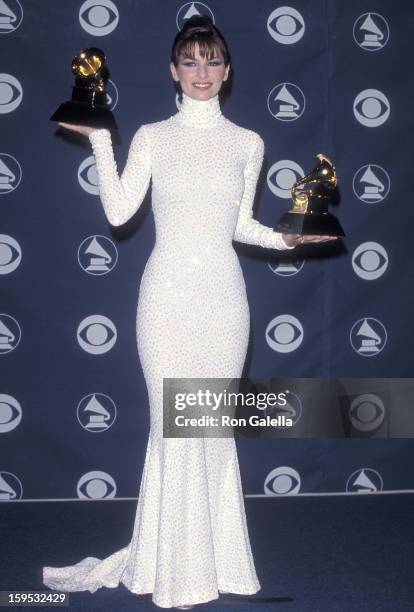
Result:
[{"x": 295, "y": 239}]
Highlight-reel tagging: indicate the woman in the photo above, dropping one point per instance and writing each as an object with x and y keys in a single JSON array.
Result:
[{"x": 190, "y": 539}]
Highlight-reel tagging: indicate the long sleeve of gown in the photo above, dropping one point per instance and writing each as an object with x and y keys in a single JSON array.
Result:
[
  {"x": 250, "y": 230},
  {"x": 121, "y": 196}
]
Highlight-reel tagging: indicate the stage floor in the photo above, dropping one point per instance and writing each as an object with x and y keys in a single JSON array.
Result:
[{"x": 347, "y": 554}]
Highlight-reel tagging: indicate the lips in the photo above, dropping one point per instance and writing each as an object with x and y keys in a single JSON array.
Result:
[{"x": 202, "y": 85}]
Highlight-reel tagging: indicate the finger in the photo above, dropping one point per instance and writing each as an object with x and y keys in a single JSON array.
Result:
[
  {"x": 323, "y": 238},
  {"x": 69, "y": 126},
  {"x": 72, "y": 126}
]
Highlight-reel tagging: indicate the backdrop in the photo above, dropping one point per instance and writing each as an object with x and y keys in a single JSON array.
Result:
[{"x": 313, "y": 76}]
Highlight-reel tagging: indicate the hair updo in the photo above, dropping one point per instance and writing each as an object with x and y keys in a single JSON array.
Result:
[{"x": 199, "y": 29}]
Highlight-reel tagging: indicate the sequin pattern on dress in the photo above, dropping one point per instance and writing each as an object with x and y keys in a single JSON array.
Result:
[{"x": 190, "y": 538}]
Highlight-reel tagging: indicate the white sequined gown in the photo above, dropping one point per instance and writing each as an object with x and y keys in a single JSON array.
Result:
[{"x": 190, "y": 537}]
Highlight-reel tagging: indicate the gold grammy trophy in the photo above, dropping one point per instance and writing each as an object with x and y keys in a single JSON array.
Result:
[
  {"x": 88, "y": 105},
  {"x": 311, "y": 196}
]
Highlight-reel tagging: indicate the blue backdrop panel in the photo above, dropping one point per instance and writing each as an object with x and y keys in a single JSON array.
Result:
[{"x": 309, "y": 76}]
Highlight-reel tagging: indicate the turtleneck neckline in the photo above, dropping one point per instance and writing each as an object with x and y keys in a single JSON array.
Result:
[{"x": 203, "y": 114}]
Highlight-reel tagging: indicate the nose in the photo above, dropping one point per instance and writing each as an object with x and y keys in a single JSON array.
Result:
[{"x": 202, "y": 70}]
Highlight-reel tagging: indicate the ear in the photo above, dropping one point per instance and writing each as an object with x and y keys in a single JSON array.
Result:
[
  {"x": 173, "y": 72},
  {"x": 226, "y": 73}
]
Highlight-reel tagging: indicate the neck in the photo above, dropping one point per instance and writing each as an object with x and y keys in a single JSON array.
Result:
[{"x": 203, "y": 114}]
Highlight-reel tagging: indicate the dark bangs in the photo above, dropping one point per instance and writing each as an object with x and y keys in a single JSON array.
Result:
[{"x": 209, "y": 43}]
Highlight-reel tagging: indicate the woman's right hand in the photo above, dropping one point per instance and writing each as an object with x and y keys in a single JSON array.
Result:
[{"x": 81, "y": 129}]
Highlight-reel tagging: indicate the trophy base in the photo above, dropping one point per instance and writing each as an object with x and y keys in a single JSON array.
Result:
[
  {"x": 324, "y": 224},
  {"x": 81, "y": 114}
]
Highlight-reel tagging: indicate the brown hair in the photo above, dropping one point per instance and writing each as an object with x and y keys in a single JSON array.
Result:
[{"x": 199, "y": 29}]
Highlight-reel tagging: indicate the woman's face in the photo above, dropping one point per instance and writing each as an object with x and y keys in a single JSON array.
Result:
[{"x": 199, "y": 77}]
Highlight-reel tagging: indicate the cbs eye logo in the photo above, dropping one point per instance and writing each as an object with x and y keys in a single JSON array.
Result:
[
  {"x": 10, "y": 413},
  {"x": 285, "y": 25},
  {"x": 11, "y": 93},
  {"x": 96, "y": 334},
  {"x": 371, "y": 108},
  {"x": 281, "y": 176},
  {"x": 10, "y": 254},
  {"x": 96, "y": 485},
  {"x": 283, "y": 480},
  {"x": 366, "y": 412},
  {"x": 369, "y": 260},
  {"x": 88, "y": 176},
  {"x": 284, "y": 333},
  {"x": 98, "y": 17}
]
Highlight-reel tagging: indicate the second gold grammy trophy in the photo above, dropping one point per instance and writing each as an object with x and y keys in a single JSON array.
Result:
[{"x": 311, "y": 196}]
